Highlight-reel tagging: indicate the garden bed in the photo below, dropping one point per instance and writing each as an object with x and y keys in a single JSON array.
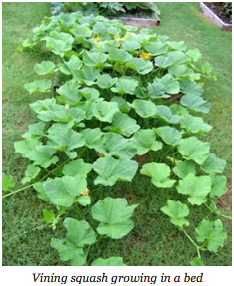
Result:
[
  {"x": 140, "y": 22},
  {"x": 210, "y": 11}
]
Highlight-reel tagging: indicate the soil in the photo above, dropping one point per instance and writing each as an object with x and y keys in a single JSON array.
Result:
[
  {"x": 221, "y": 11},
  {"x": 225, "y": 202}
]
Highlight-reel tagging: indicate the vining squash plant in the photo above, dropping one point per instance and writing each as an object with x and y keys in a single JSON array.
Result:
[{"x": 119, "y": 94}]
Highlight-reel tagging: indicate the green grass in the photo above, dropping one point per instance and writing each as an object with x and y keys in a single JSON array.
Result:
[{"x": 153, "y": 241}]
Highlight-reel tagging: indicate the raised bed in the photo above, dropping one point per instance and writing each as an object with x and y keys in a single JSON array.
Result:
[
  {"x": 140, "y": 22},
  {"x": 209, "y": 14}
]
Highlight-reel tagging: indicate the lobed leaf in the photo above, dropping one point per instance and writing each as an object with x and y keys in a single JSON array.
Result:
[
  {"x": 45, "y": 67},
  {"x": 194, "y": 149},
  {"x": 111, "y": 170},
  {"x": 184, "y": 168},
  {"x": 145, "y": 140},
  {"x": 159, "y": 172},
  {"x": 114, "y": 215},
  {"x": 177, "y": 211},
  {"x": 123, "y": 124},
  {"x": 211, "y": 232},
  {"x": 65, "y": 191},
  {"x": 197, "y": 188},
  {"x": 169, "y": 135},
  {"x": 7, "y": 182}
]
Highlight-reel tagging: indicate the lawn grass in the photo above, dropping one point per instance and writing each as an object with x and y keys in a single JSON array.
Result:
[{"x": 153, "y": 241}]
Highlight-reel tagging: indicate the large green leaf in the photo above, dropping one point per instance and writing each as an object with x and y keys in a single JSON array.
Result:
[
  {"x": 218, "y": 186},
  {"x": 106, "y": 81},
  {"x": 41, "y": 85},
  {"x": 125, "y": 85},
  {"x": 181, "y": 71},
  {"x": 41, "y": 105},
  {"x": 43, "y": 156},
  {"x": 169, "y": 135},
  {"x": 159, "y": 172},
  {"x": 79, "y": 234},
  {"x": 213, "y": 165},
  {"x": 70, "y": 91},
  {"x": 194, "y": 125},
  {"x": 122, "y": 103},
  {"x": 111, "y": 261},
  {"x": 180, "y": 45},
  {"x": 184, "y": 168},
  {"x": 190, "y": 87},
  {"x": 179, "y": 57},
  {"x": 24, "y": 147},
  {"x": 77, "y": 167},
  {"x": 164, "y": 61},
  {"x": 144, "y": 108},
  {"x": 195, "y": 54},
  {"x": 31, "y": 173},
  {"x": 211, "y": 233},
  {"x": 156, "y": 90},
  {"x": 119, "y": 56},
  {"x": 72, "y": 65},
  {"x": 7, "y": 182},
  {"x": 65, "y": 140},
  {"x": 57, "y": 113},
  {"x": 59, "y": 43},
  {"x": 177, "y": 211},
  {"x": 68, "y": 251},
  {"x": 145, "y": 140},
  {"x": 91, "y": 94},
  {"x": 111, "y": 170},
  {"x": 65, "y": 191},
  {"x": 123, "y": 124},
  {"x": 95, "y": 59},
  {"x": 35, "y": 130},
  {"x": 87, "y": 75},
  {"x": 165, "y": 113},
  {"x": 114, "y": 215},
  {"x": 130, "y": 44},
  {"x": 45, "y": 67},
  {"x": 197, "y": 188},
  {"x": 93, "y": 137},
  {"x": 104, "y": 111},
  {"x": 195, "y": 103},
  {"x": 194, "y": 149},
  {"x": 67, "y": 20},
  {"x": 156, "y": 48},
  {"x": 171, "y": 85},
  {"x": 142, "y": 66},
  {"x": 116, "y": 145},
  {"x": 82, "y": 30}
]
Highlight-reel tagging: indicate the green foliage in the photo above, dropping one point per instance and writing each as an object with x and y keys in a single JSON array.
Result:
[
  {"x": 114, "y": 101},
  {"x": 103, "y": 8},
  {"x": 7, "y": 182}
]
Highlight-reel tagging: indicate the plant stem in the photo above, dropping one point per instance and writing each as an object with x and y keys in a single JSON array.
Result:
[
  {"x": 193, "y": 242},
  {"x": 24, "y": 188},
  {"x": 19, "y": 190},
  {"x": 220, "y": 214},
  {"x": 38, "y": 227}
]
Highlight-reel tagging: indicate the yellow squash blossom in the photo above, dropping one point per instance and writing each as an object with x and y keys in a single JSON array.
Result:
[
  {"x": 100, "y": 155},
  {"x": 85, "y": 192},
  {"x": 96, "y": 39},
  {"x": 144, "y": 55}
]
